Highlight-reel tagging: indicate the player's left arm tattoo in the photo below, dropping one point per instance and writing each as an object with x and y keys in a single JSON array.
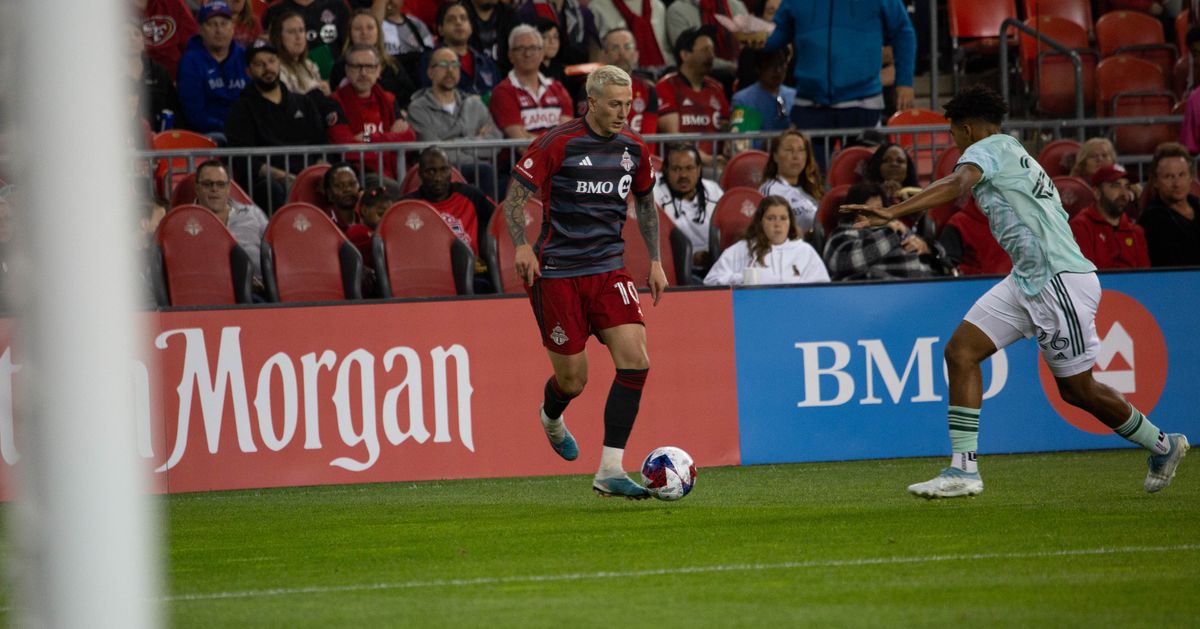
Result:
[{"x": 647, "y": 218}]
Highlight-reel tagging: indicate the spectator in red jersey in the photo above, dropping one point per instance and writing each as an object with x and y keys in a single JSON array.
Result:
[
  {"x": 478, "y": 73},
  {"x": 365, "y": 30},
  {"x": 619, "y": 49},
  {"x": 167, "y": 25},
  {"x": 527, "y": 103},
  {"x": 465, "y": 208},
  {"x": 970, "y": 245},
  {"x": 371, "y": 208},
  {"x": 1105, "y": 235},
  {"x": 369, "y": 114},
  {"x": 691, "y": 101},
  {"x": 647, "y": 19}
]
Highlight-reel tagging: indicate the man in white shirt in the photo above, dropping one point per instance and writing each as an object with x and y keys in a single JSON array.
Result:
[
  {"x": 689, "y": 200},
  {"x": 245, "y": 221}
]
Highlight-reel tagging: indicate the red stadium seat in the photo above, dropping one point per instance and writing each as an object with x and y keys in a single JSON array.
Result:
[
  {"x": 845, "y": 166},
  {"x": 730, "y": 218},
  {"x": 197, "y": 262},
  {"x": 1075, "y": 193},
  {"x": 745, "y": 169},
  {"x": 306, "y": 257},
  {"x": 170, "y": 171},
  {"x": 417, "y": 255},
  {"x": 1120, "y": 74},
  {"x": 946, "y": 160},
  {"x": 1182, "y": 22},
  {"x": 1143, "y": 139},
  {"x": 1077, "y": 11},
  {"x": 500, "y": 251},
  {"x": 1185, "y": 77},
  {"x": 922, "y": 145},
  {"x": 1135, "y": 34},
  {"x": 974, "y": 29},
  {"x": 1058, "y": 157},
  {"x": 412, "y": 180},
  {"x": 185, "y": 192},
  {"x": 1050, "y": 73},
  {"x": 308, "y": 186},
  {"x": 637, "y": 258},
  {"x": 828, "y": 216}
]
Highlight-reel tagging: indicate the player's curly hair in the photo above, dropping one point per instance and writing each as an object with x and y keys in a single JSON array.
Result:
[{"x": 978, "y": 101}]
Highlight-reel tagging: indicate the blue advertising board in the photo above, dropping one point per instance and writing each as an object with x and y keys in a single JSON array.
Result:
[{"x": 844, "y": 371}]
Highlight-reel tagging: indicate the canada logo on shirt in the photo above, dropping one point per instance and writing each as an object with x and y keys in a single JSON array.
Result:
[{"x": 158, "y": 29}]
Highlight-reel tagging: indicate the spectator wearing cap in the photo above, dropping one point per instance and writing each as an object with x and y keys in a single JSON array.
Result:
[
  {"x": 269, "y": 114},
  {"x": 687, "y": 14},
  {"x": 212, "y": 73},
  {"x": 1105, "y": 234},
  {"x": 1169, "y": 218},
  {"x": 689, "y": 100},
  {"x": 646, "y": 19},
  {"x": 838, "y": 48},
  {"x": 167, "y": 26}
]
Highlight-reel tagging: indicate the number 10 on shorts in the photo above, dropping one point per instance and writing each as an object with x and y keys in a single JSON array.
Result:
[{"x": 628, "y": 291}]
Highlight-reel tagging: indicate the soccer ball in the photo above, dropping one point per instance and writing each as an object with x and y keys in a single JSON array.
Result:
[{"x": 669, "y": 473}]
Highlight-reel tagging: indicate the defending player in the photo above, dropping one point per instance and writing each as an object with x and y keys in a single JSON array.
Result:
[
  {"x": 1052, "y": 293},
  {"x": 585, "y": 171}
]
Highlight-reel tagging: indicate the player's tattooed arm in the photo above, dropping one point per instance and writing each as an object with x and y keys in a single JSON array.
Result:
[
  {"x": 647, "y": 218},
  {"x": 514, "y": 212}
]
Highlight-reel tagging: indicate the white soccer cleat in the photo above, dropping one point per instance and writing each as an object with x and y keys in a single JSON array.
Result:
[
  {"x": 1162, "y": 466},
  {"x": 950, "y": 483}
]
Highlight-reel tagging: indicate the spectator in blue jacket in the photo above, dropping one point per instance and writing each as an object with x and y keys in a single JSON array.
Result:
[
  {"x": 839, "y": 54},
  {"x": 212, "y": 72}
]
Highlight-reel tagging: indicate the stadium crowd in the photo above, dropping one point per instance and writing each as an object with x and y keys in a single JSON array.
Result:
[{"x": 251, "y": 74}]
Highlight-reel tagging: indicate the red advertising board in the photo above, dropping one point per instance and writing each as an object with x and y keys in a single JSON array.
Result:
[{"x": 378, "y": 392}]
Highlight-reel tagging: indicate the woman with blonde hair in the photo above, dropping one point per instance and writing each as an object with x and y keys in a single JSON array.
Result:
[
  {"x": 792, "y": 173},
  {"x": 296, "y": 71},
  {"x": 366, "y": 30},
  {"x": 1093, "y": 154},
  {"x": 772, "y": 251}
]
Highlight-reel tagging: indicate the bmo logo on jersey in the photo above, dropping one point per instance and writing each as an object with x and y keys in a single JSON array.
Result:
[
  {"x": 605, "y": 187},
  {"x": 1132, "y": 360}
]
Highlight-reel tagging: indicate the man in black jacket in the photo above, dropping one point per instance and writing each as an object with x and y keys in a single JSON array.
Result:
[
  {"x": 267, "y": 114},
  {"x": 1172, "y": 228}
]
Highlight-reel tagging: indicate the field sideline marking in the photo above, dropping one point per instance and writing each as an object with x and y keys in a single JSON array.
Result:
[{"x": 581, "y": 576}]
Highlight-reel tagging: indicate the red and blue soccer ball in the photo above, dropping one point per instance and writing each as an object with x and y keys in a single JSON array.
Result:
[{"x": 669, "y": 473}]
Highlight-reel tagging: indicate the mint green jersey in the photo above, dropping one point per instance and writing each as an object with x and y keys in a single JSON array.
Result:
[{"x": 1024, "y": 212}]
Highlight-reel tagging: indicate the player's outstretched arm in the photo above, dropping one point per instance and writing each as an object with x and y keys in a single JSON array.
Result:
[
  {"x": 524, "y": 260},
  {"x": 647, "y": 218},
  {"x": 944, "y": 190}
]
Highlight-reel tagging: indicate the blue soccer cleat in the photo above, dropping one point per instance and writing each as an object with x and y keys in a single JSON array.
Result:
[
  {"x": 1162, "y": 466},
  {"x": 620, "y": 486},
  {"x": 567, "y": 448},
  {"x": 950, "y": 483}
]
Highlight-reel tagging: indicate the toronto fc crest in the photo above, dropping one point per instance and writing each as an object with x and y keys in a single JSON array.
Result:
[
  {"x": 627, "y": 161},
  {"x": 558, "y": 335}
]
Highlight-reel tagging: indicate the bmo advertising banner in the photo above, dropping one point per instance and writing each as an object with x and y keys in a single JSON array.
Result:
[
  {"x": 842, "y": 372},
  {"x": 266, "y": 397}
]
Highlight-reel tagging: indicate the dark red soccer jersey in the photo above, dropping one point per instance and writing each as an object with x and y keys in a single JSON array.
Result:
[
  {"x": 700, "y": 111},
  {"x": 584, "y": 180}
]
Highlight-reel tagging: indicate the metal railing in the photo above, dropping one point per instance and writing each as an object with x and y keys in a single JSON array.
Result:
[
  {"x": 1076, "y": 62},
  {"x": 502, "y": 154}
]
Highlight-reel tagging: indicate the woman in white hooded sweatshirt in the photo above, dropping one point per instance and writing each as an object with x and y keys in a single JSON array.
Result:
[{"x": 770, "y": 253}]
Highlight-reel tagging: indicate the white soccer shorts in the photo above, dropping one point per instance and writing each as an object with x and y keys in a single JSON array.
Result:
[{"x": 1062, "y": 317}]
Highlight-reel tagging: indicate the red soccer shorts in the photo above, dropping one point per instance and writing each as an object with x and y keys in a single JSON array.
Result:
[{"x": 570, "y": 309}]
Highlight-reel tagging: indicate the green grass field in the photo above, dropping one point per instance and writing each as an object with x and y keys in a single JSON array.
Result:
[{"x": 1065, "y": 539}]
